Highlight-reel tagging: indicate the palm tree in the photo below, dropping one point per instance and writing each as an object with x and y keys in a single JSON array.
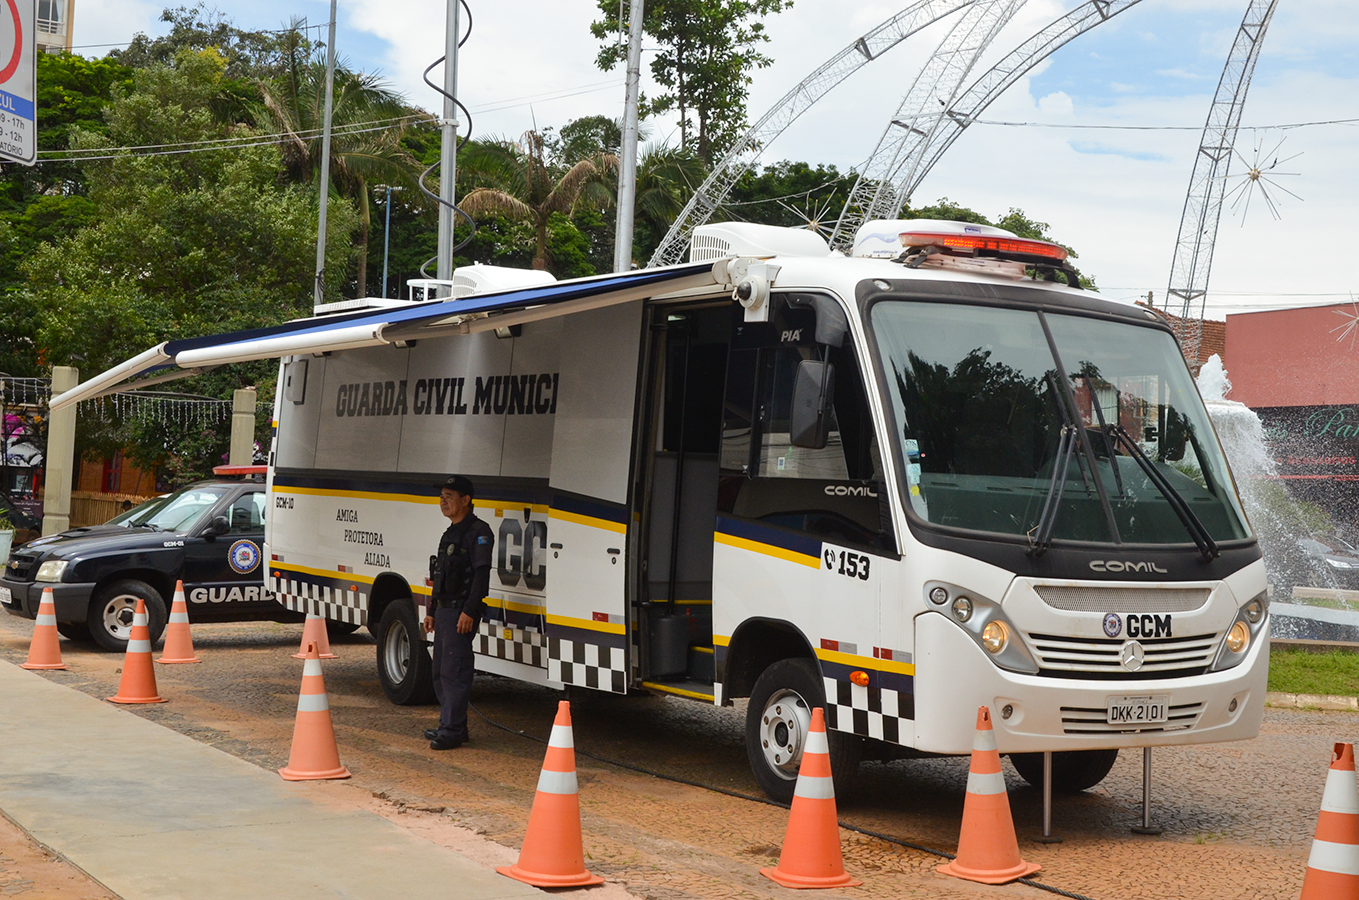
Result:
[
  {"x": 368, "y": 119},
  {"x": 666, "y": 178},
  {"x": 524, "y": 187}
]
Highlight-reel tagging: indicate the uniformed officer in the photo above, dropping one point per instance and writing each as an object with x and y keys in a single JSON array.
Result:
[{"x": 461, "y": 576}]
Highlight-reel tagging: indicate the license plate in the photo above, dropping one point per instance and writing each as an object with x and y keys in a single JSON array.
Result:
[
  {"x": 6, "y": 596},
  {"x": 1141, "y": 710}
]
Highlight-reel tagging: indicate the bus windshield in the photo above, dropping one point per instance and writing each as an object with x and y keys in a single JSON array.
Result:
[{"x": 1003, "y": 413}]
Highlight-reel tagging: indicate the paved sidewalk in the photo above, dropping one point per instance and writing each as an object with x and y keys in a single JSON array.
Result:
[{"x": 153, "y": 815}]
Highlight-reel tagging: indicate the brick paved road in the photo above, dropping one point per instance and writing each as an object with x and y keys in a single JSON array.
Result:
[{"x": 1238, "y": 817}]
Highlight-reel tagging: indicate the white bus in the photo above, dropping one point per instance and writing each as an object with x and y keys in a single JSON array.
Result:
[{"x": 903, "y": 484}]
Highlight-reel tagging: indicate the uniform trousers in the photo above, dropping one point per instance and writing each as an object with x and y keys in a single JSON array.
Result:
[{"x": 454, "y": 667}]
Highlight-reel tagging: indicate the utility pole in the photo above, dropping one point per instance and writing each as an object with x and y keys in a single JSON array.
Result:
[
  {"x": 627, "y": 166},
  {"x": 319, "y": 291},
  {"x": 386, "y": 236},
  {"x": 448, "y": 157}
]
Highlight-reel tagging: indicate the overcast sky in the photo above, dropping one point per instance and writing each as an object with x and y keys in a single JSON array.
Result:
[{"x": 1115, "y": 195}]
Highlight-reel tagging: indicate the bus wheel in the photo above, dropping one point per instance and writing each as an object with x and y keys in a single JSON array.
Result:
[
  {"x": 1073, "y": 771},
  {"x": 777, "y": 721},
  {"x": 403, "y": 664}
]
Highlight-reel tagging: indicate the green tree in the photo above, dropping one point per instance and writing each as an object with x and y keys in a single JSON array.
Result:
[
  {"x": 361, "y": 154},
  {"x": 176, "y": 246},
  {"x": 707, "y": 49},
  {"x": 519, "y": 183},
  {"x": 666, "y": 178},
  {"x": 247, "y": 54}
]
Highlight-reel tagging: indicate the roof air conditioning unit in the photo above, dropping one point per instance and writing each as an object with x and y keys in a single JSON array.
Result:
[{"x": 722, "y": 239}]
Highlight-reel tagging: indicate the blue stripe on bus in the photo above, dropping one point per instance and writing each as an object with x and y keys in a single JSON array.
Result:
[{"x": 775, "y": 537}]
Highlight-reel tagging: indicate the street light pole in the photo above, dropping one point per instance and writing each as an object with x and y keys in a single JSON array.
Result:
[{"x": 386, "y": 236}]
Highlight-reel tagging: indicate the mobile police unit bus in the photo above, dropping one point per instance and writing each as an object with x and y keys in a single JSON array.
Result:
[{"x": 901, "y": 485}]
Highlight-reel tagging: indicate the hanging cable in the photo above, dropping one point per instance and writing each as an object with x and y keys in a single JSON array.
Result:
[{"x": 423, "y": 188}]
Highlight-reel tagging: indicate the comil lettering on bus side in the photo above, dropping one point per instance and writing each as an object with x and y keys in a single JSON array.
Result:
[{"x": 515, "y": 395}]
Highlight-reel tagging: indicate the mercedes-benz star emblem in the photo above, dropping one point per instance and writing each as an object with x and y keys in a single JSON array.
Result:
[{"x": 1132, "y": 655}]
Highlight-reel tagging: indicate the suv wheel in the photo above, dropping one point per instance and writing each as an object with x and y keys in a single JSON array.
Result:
[
  {"x": 403, "y": 664},
  {"x": 75, "y": 631},
  {"x": 112, "y": 608}
]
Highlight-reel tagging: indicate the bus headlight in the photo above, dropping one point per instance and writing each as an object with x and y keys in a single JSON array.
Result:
[
  {"x": 984, "y": 621},
  {"x": 962, "y": 609},
  {"x": 1251, "y": 620},
  {"x": 995, "y": 636}
]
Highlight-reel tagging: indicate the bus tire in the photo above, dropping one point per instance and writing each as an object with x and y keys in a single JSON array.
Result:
[
  {"x": 777, "y": 719},
  {"x": 403, "y": 664},
  {"x": 1073, "y": 771}
]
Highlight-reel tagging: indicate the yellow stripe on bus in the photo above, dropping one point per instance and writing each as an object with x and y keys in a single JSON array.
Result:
[
  {"x": 587, "y": 624},
  {"x": 679, "y": 692},
  {"x": 855, "y": 661},
  {"x": 335, "y": 574},
  {"x": 591, "y": 521},
  {"x": 739, "y": 543},
  {"x": 515, "y": 606},
  {"x": 360, "y": 495}
]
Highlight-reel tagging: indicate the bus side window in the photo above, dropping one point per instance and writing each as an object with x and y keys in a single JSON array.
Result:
[{"x": 836, "y": 493}]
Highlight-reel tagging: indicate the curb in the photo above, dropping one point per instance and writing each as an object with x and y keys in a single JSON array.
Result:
[{"x": 1311, "y": 701}]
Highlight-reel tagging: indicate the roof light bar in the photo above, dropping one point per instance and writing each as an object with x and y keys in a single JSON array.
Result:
[{"x": 974, "y": 242}]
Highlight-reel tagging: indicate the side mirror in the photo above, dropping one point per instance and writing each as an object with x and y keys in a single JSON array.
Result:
[
  {"x": 813, "y": 395},
  {"x": 218, "y": 525}
]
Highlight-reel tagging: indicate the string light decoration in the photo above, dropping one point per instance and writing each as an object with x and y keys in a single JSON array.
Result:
[{"x": 148, "y": 407}]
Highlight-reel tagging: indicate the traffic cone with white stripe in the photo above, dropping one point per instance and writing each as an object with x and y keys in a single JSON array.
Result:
[
  {"x": 314, "y": 755},
  {"x": 988, "y": 851},
  {"x": 811, "y": 856},
  {"x": 138, "y": 684},
  {"x": 178, "y": 642},
  {"x": 44, "y": 651},
  {"x": 314, "y": 632},
  {"x": 553, "y": 854},
  {"x": 1333, "y": 865}
]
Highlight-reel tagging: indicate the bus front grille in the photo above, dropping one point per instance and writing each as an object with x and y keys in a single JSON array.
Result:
[
  {"x": 1062, "y": 656},
  {"x": 1125, "y": 600}
]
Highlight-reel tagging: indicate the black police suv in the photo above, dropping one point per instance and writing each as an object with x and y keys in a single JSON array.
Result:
[{"x": 208, "y": 534}]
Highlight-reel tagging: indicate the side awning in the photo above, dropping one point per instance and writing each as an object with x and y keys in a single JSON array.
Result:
[{"x": 440, "y": 318}]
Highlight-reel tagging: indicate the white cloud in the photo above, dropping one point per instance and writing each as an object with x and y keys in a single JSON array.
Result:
[{"x": 1057, "y": 103}]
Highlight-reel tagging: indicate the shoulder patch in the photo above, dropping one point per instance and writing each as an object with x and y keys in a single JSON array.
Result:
[{"x": 483, "y": 540}]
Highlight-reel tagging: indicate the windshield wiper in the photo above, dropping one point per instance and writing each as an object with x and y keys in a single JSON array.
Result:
[
  {"x": 1202, "y": 539},
  {"x": 1108, "y": 442},
  {"x": 1040, "y": 536}
]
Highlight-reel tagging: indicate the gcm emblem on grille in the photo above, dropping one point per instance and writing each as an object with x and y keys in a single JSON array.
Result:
[
  {"x": 1131, "y": 656},
  {"x": 1112, "y": 625}
]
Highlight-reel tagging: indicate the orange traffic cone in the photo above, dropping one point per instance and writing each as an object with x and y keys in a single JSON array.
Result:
[
  {"x": 811, "y": 855},
  {"x": 44, "y": 652},
  {"x": 138, "y": 684},
  {"x": 178, "y": 642},
  {"x": 1333, "y": 865},
  {"x": 314, "y": 756},
  {"x": 314, "y": 632},
  {"x": 987, "y": 849},
  {"x": 553, "y": 854}
]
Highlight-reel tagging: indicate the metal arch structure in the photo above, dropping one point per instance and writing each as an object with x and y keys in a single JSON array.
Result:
[
  {"x": 1188, "y": 287},
  {"x": 924, "y": 107},
  {"x": 750, "y": 145},
  {"x": 998, "y": 79}
]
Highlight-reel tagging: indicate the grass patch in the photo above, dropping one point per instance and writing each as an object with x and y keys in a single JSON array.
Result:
[{"x": 1296, "y": 671}]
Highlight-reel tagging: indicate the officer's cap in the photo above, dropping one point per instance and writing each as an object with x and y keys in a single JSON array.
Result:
[{"x": 457, "y": 483}]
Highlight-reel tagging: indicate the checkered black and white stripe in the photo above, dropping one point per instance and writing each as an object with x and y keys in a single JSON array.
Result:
[
  {"x": 328, "y": 602},
  {"x": 871, "y": 712},
  {"x": 521, "y": 645},
  {"x": 588, "y": 665}
]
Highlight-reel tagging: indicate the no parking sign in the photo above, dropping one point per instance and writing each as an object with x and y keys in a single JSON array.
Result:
[{"x": 18, "y": 82}]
